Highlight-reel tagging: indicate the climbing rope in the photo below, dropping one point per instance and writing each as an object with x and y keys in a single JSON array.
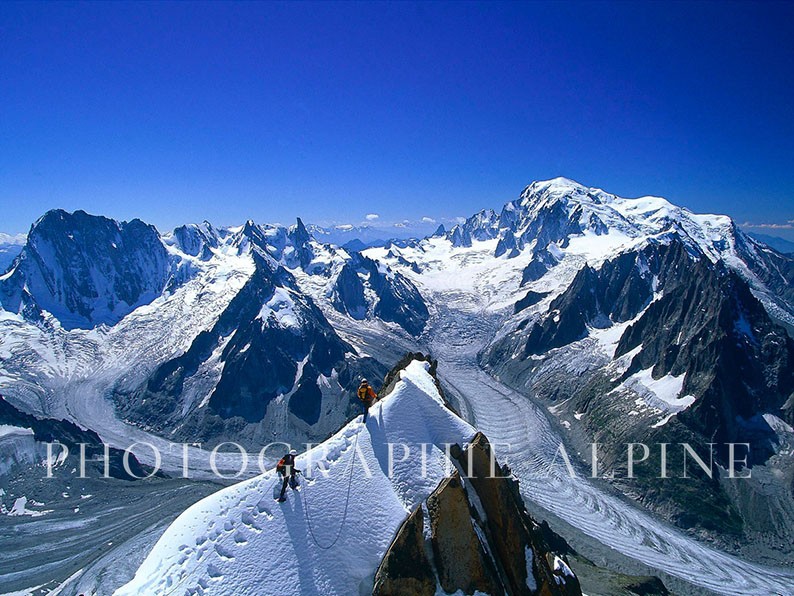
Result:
[
  {"x": 347, "y": 503},
  {"x": 306, "y": 515}
]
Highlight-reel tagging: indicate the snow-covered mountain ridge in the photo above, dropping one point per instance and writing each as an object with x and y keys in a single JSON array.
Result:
[
  {"x": 330, "y": 536},
  {"x": 91, "y": 301},
  {"x": 240, "y": 541},
  {"x": 561, "y": 222}
]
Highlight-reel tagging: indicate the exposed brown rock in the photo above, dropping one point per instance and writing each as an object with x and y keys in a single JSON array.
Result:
[
  {"x": 508, "y": 527},
  {"x": 405, "y": 569},
  {"x": 481, "y": 536},
  {"x": 460, "y": 559}
]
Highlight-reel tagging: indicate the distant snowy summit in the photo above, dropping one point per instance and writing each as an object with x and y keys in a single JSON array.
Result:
[
  {"x": 201, "y": 331},
  {"x": 10, "y": 247},
  {"x": 633, "y": 320},
  {"x": 563, "y": 212}
]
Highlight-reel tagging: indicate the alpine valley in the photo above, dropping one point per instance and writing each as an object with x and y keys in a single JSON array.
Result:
[{"x": 572, "y": 317}]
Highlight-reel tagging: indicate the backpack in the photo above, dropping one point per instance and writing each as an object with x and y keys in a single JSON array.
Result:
[
  {"x": 285, "y": 462},
  {"x": 363, "y": 393}
]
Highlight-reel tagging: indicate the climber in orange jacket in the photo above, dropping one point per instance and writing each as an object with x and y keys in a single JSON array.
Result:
[
  {"x": 286, "y": 467},
  {"x": 367, "y": 396}
]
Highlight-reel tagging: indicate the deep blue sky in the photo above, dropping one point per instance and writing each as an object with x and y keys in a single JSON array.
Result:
[{"x": 183, "y": 112}]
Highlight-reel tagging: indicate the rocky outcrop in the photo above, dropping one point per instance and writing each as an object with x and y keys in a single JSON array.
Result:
[
  {"x": 406, "y": 569},
  {"x": 396, "y": 299},
  {"x": 480, "y": 226},
  {"x": 481, "y": 538},
  {"x": 530, "y": 299},
  {"x": 349, "y": 296},
  {"x": 196, "y": 240},
  {"x": 461, "y": 560},
  {"x": 542, "y": 261},
  {"x": 615, "y": 293}
]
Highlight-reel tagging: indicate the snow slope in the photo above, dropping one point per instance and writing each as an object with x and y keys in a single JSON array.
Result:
[{"x": 329, "y": 537}]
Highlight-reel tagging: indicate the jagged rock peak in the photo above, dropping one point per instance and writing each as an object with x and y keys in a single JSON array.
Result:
[
  {"x": 298, "y": 233},
  {"x": 480, "y": 535},
  {"x": 196, "y": 240}
]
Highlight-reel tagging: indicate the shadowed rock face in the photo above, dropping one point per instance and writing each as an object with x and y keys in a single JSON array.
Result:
[
  {"x": 615, "y": 293},
  {"x": 481, "y": 537},
  {"x": 691, "y": 319},
  {"x": 531, "y": 299},
  {"x": 261, "y": 358},
  {"x": 86, "y": 270},
  {"x": 540, "y": 264},
  {"x": 480, "y": 226},
  {"x": 737, "y": 361},
  {"x": 397, "y": 300},
  {"x": 196, "y": 240},
  {"x": 699, "y": 319}
]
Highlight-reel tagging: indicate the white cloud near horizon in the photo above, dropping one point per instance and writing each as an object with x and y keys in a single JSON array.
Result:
[
  {"x": 371, "y": 216},
  {"x": 13, "y": 238},
  {"x": 789, "y": 225},
  {"x": 427, "y": 219}
]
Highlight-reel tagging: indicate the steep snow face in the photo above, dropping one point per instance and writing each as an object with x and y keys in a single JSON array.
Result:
[{"x": 328, "y": 537}]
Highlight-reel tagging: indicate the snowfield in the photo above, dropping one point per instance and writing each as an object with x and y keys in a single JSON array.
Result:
[{"x": 330, "y": 536}]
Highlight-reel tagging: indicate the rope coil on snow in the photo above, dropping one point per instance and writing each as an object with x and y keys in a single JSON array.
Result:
[{"x": 347, "y": 503}]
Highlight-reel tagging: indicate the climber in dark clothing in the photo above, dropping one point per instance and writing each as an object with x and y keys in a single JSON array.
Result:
[
  {"x": 367, "y": 396},
  {"x": 286, "y": 467}
]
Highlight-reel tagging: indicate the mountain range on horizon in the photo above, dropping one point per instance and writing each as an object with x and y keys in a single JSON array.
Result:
[
  {"x": 375, "y": 233},
  {"x": 569, "y": 316}
]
